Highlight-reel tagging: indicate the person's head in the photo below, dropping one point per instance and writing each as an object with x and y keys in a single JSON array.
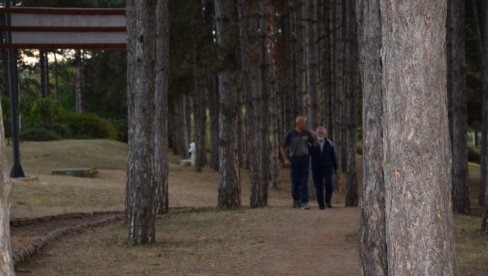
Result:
[
  {"x": 321, "y": 133},
  {"x": 301, "y": 123}
]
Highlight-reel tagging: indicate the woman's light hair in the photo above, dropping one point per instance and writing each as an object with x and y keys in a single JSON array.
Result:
[{"x": 321, "y": 128}]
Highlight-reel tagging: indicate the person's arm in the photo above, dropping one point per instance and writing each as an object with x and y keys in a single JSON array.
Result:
[
  {"x": 284, "y": 154},
  {"x": 284, "y": 150},
  {"x": 313, "y": 138}
]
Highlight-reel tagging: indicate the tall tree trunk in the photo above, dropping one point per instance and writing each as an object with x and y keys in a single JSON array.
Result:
[
  {"x": 80, "y": 81},
  {"x": 372, "y": 251},
  {"x": 417, "y": 151},
  {"x": 44, "y": 67},
  {"x": 161, "y": 108},
  {"x": 255, "y": 64},
  {"x": 294, "y": 69},
  {"x": 214, "y": 121},
  {"x": 143, "y": 103},
  {"x": 484, "y": 127},
  {"x": 351, "y": 75},
  {"x": 311, "y": 63},
  {"x": 230, "y": 184},
  {"x": 456, "y": 87},
  {"x": 479, "y": 47},
  {"x": 200, "y": 119},
  {"x": 56, "y": 76},
  {"x": 6, "y": 262}
]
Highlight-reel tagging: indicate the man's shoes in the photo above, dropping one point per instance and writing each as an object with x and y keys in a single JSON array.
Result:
[
  {"x": 329, "y": 205},
  {"x": 321, "y": 207},
  {"x": 304, "y": 206},
  {"x": 296, "y": 204}
]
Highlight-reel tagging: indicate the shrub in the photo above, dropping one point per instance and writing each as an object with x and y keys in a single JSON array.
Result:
[
  {"x": 474, "y": 154},
  {"x": 39, "y": 134},
  {"x": 61, "y": 130},
  {"x": 359, "y": 148},
  {"x": 87, "y": 126}
]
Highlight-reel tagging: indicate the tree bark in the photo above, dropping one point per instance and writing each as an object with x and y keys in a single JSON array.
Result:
[
  {"x": 161, "y": 108},
  {"x": 484, "y": 127},
  {"x": 351, "y": 75},
  {"x": 142, "y": 177},
  {"x": 417, "y": 151},
  {"x": 6, "y": 261},
  {"x": 44, "y": 67},
  {"x": 479, "y": 47},
  {"x": 214, "y": 122},
  {"x": 311, "y": 63},
  {"x": 372, "y": 248},
  {"x": 456, "y": 87},
  {"x": 229, "y": 186},
  {"x": 80, "y": 81}
]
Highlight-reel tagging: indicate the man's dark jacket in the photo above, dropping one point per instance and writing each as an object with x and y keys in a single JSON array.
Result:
[{"x": 323, "y": 160}]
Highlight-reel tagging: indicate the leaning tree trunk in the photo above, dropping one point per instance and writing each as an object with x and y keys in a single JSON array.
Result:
[
  {"x": 456, "y": 90},
  {"x": 484, "y": 134},
  {"x": 230, "y": 184},
  {"x": 6, "y": 261},
  {"x": 351, "y": 75},
  {"x": 143, "y": 103},
  {"x": 417, "y": 151},
  {"x": 161, "y": 108},
  {"x": 372, "y": 229}
]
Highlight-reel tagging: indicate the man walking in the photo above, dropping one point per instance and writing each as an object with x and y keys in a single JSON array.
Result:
[
  {"x": 324, "y": 163},
  {"x": 295, "y": 153}
]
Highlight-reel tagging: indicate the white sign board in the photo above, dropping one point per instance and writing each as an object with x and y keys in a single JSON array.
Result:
[{"x": 65, "y": 28}]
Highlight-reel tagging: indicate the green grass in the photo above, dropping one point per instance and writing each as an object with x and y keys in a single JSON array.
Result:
[{"x": 43, "y": 157}]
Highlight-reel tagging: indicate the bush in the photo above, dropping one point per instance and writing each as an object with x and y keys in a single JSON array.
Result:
[
  {"x": 87, "y": 126},
  {"x": 474, "y": 154},
  {"x": 39, "y": 134},
  {"x": 122, "y": 129},
  {"x": 61, "y": 130},
  {"x": 359, "y": 148}
]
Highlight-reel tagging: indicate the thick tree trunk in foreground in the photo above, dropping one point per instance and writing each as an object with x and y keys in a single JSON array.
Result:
[
  {"x": 351, "y": 75},
  {"x": 142, "y": 176},
  {"x": 6, "y": 262},
  {"x": 230, "y": 184},
  {"x": 161, "y": 108},
  {"x": 417, "y": 152},
  {"x": 372, "y": 232},
  {"x": 484, "y": 134},
  {"x": 456, "y": 87}
]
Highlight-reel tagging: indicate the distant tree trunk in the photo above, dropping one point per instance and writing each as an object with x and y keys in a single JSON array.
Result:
[
  {"x": 56, "y": 76},
  {"x": 6, "y": 264},
  {"x": 417, "y": 152},
  {"x": 230, "y": 184},
  {"x": 351, "y": 75},
  {"x": 479, "y": 47},
  {"x": 372, "y": 251},
  {"x": 484, "y": 127},
  {"x": 44, "y": 66},
  {"x": 200, "y": 119},
  {"x": 300, "y": 57},
  {"x": 274, "y": 100},
  {"x": 311, "y": 62},
  {"x": 161, "y": 106},
  {"x": 294, "y": 69},
  {"x": 142, "y": 178},
  {"x": 80, "y": 81},
  {"x": 214, "y": 121},
  {"x": 339, "y": 82},
  {"x": 456, "y": 87}
]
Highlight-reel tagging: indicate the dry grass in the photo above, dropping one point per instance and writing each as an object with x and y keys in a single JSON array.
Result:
[{"x": 205, "y": 243}]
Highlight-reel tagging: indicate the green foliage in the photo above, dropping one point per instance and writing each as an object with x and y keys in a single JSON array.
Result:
[
  {"x": 39, "y": 134},
  {"x": 87, "y": 126},
  {"x": 474, "y": 154}
]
